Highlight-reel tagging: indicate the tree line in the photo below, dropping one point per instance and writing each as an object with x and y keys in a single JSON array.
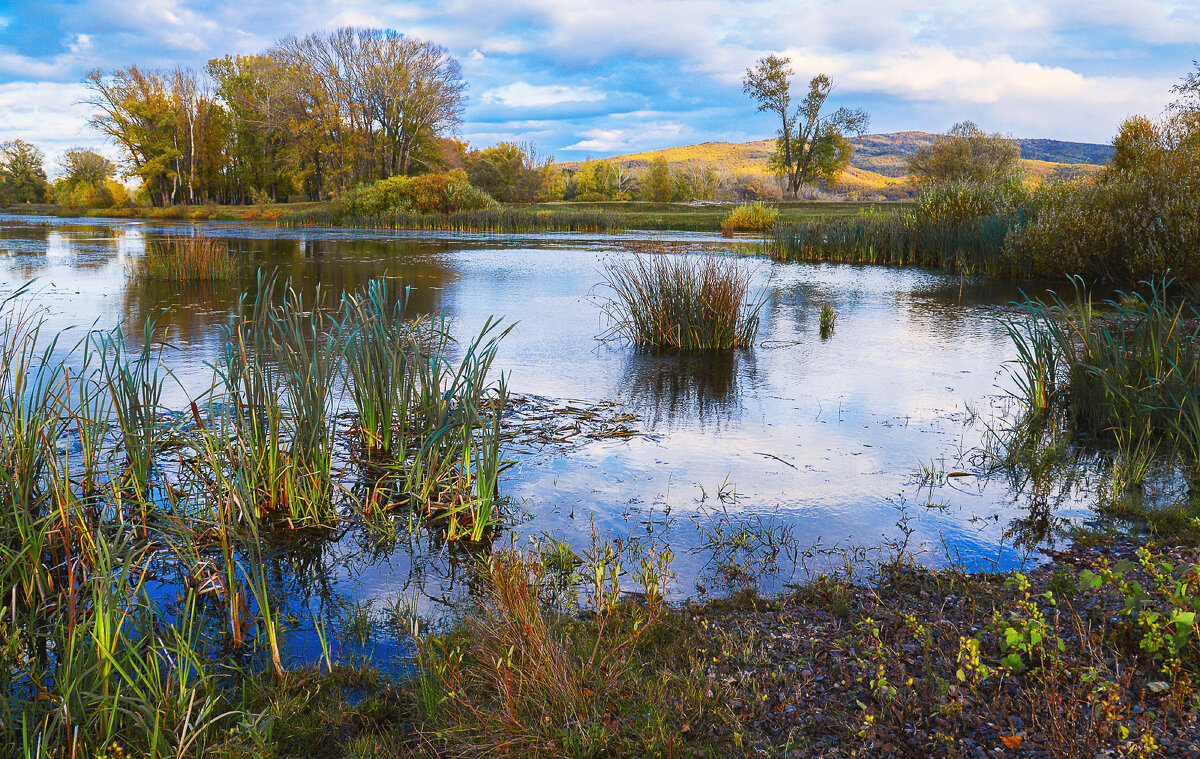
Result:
[{"x": 309, "y": 117}]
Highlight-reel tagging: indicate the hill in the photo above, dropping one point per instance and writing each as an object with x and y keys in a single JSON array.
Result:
[{"x": 879, "y": 162}]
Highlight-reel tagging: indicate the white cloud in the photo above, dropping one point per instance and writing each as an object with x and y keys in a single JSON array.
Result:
[
  {"x": 650, "y": 135},
  {"x": 525, "y": 95}
]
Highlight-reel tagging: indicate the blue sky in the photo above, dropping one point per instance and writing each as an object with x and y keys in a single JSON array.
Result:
[{"x": 602, "y": 78}]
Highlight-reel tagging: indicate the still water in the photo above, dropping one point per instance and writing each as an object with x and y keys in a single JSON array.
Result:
[{"x": 816, "y": 439}]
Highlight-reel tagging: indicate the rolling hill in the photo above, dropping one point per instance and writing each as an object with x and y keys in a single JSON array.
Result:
[{"x": 878, "y": 164}]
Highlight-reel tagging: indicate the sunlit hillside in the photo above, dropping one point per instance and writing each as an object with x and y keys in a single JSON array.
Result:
[{"x": 879, "y": 162}]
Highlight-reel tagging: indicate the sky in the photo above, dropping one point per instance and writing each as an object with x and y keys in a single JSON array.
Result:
[{"x": 595, "y": 79}]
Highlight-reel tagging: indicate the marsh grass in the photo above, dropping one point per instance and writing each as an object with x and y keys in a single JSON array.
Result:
[
  {"x": 526, "y": 677},
  {"x": 972, "y": 245},
  {"x": 185, "y": 258},
  {"x": 490, "y": 220},
  {"x": 1120, "y": 378},
  {"x": 682, "y": 302},
  {"x": 752, "y": 217},
  {"x": 828, "y": 321}
]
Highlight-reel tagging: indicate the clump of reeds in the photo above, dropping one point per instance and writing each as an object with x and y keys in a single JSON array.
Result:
[
  {"x": 752, "y": 217},
  {"x": 686, "y": 303},
  {"x": 828, "y": 320},
  {"x": 185, "y": 258},
  {"x": 1123, "y": 375},
  {"x": 524, "y": 676}
]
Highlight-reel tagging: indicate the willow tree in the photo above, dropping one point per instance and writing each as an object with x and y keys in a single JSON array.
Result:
[{"x": 811, "y": 145}]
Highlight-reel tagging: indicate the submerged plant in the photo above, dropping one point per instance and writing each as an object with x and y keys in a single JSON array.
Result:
[{"x": 682, "y": 302}]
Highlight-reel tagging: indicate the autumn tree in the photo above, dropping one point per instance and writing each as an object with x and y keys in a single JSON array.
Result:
[
  {"x": 658, "y": 183},
  {"x": 698, "y": 181},
  {"x": 22, "y": 173},
  {"x": 514, "y": 173},
  {"x": 313, "y": 116},
  {"x": 811, "y": 146},
  {"x": 967, "y": 154},
  {"x": 87, "y": 181}
]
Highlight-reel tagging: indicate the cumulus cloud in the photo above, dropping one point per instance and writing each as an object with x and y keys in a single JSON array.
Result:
[
  {"x": 525, "y": 95},
  {"x": 1055, "y": 68}
]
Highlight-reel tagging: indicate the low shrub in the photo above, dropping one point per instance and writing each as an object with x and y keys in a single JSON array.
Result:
[
  {"x": 752, "y": 217},
  {"x": 444, "y": 193}
]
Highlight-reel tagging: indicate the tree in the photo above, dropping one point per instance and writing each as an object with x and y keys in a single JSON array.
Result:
[
  {"x": 657, "y": 184},
  {"x": 967, "y": 154},
  {"x": 86, "y": 181},
  {"x": 513, "y": 173},
  {"x": 22, "y": 173},
  {"x": 1188, "y": 91},
  {"x": 80, "y": 165},
  {"x": 809, "y": 147},
  {"x": 698, "y": 181}
]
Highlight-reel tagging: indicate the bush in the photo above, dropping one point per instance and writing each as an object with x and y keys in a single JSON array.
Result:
[
  {"x": 753, "y": 217},
  {"x": 960, "y": 201},
  {"x": 1140, "y": 218},
  {"x": 449, "y": 192}
]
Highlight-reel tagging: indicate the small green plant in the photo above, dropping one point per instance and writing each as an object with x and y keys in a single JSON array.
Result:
[{"x": 828, "y": 319}]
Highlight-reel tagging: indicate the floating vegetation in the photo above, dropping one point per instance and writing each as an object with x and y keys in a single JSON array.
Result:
[
  {"x": 185, "y": 258},
  {"x": 685, "y": 303}
]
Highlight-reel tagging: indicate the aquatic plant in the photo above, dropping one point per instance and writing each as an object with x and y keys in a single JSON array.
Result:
[
  {"x": 682, "y": 302},
  {"x": 751, "y": 217},
  {"x": 185, "y": 258},
  {"x": 828, "y": 320},
  {"x": 973, "y": 246},
  {"x": 506, "y": 219}
]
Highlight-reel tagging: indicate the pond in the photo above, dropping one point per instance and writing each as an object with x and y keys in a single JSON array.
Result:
[{"x": 838, "y": 442}]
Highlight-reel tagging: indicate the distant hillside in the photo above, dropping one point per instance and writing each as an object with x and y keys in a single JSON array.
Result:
[{"x": 878, "y": 164}]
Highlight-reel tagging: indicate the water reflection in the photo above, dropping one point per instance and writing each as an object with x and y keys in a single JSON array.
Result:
[
  {"x": 671, "y": 388},
  {"x": 818, "y": 435}
]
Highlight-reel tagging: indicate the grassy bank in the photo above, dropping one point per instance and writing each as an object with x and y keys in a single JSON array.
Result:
[{"x": 511, "y": 218}]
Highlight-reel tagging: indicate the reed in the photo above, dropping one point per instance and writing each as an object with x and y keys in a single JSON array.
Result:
[
  {"x": 135, "y": 382},
  {"x": 490, "y": 220},
  {"x": 682, "y": 302},
  {"x": 185, "y": 258},
  {"x": 973, "y": 245},
  {"x": 751, "y": 217},
  {"x": 380, "y": 348},
  {"x": 1123, "y": 375},
  {"x": 828, "y": 320},
  {"x": 307, "y": 347}
]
